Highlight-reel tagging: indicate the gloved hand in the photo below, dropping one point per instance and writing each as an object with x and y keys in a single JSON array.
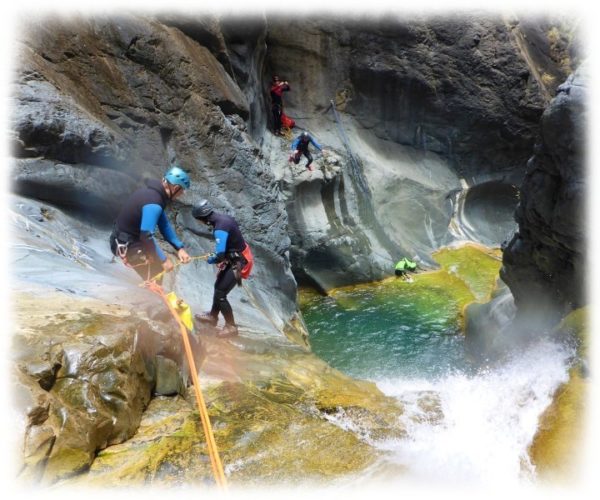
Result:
[{"x": 212, "y": 258}]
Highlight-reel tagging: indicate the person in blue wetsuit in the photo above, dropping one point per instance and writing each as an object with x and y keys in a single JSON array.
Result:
[
  {"x": 234, "y": 260},
  {"x": 132, "y": 238},
  {"x": 300, "y": 147}
]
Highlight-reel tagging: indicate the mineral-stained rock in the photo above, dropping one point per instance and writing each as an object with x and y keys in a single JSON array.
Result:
[
  {"x": 556, "y": 447},
  {"x": 90, "y": 380},
  {"x": 307, "y": 423}
]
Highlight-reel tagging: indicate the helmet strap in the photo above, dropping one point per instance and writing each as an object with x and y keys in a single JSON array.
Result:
[{"x": 175, "y": 190}]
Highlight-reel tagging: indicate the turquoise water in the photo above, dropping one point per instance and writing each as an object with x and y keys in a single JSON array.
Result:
[{"x": 381, "y": 331}]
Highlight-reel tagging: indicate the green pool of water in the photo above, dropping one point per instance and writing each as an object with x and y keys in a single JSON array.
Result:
[{"x": 398, "y": 329}]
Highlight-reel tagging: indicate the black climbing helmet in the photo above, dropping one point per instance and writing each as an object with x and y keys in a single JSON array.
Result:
[{"x": 202, "y": 210}]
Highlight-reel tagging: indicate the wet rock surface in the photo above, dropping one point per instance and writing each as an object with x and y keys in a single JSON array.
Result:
[
  {"x": 89, "y": 379},
  {"x": 288, "y": 419},
  {"x": 555, "y": 449},
  {"x": 93, "y": 354}
]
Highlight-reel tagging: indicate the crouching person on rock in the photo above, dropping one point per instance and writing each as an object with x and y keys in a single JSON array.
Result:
[
  {"x": 300, "y": 147},
  {"x": 132, "y": 238},
  {"x": 234, "y": 261}
]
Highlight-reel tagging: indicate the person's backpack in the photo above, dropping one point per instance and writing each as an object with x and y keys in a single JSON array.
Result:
[
  {"x": 245, "y": 271},
  {"x": 286, "y": 121},
  {"x": 410, "y": 265}
]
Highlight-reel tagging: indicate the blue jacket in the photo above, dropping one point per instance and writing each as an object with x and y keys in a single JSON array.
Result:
[
  {"x": 142, "y": 213},
  {"x": 301, "y": 145}
]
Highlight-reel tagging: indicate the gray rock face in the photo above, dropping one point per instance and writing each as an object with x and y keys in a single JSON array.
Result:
[
  {"x": 430, "y": 107},
  {"x": 545, "y": 262},
  {"x": 100, "y": 103},
  {"x": 460, "y": 87}
]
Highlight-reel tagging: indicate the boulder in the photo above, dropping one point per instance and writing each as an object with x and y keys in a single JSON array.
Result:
[{"x": 90, "y": 379}]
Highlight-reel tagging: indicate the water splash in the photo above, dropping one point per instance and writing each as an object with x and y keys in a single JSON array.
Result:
[{"x": 487, "y": 421}]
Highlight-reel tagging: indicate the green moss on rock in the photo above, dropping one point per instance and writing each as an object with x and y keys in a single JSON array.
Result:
[
  {"x": 477, "y": 266},
  {"x": 556, "y": 448}
]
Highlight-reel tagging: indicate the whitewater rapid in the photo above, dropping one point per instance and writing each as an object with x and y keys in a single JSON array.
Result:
[{"x": 482, "y": 423}]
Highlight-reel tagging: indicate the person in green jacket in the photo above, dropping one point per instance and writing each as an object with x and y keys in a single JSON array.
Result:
[{"x": 403, "y": 266}]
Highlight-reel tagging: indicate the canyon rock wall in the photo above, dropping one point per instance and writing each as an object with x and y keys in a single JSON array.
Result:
[{"x": 545, "y": 263}]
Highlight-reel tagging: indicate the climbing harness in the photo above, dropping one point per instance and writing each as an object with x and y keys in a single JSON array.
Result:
[
  {"x": 213, "y": 452},
  {"x": 124, "y": 245},
  {"x": 122, "y": 249}
]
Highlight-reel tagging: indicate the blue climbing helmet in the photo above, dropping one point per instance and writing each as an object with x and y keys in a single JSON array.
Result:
[{"x": 177, "y": 177}]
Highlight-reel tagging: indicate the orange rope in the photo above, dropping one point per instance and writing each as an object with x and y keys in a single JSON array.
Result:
[
  {"x": 160, "y": 275},
  {"x": 213, "y": 452}
]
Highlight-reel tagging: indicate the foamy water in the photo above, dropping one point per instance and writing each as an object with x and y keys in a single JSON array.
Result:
[{"x": 487, "y": 420}]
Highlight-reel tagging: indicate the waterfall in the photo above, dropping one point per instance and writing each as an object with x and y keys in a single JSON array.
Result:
[{"x": 488, "y": 420}]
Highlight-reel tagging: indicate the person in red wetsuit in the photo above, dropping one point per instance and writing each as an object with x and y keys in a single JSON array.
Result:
[{"x": 278, "y": 87}]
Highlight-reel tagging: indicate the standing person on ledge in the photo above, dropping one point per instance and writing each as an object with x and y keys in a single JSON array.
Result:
[
  {"x": 234, "y": 260},
  {"x": 277, "y": 89},
  {"x": 132, "y": 238}
]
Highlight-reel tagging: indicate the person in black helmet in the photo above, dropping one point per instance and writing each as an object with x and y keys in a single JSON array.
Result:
[
  {"x": 234, "y": 260},
  {"x": 132, "y": 238}
]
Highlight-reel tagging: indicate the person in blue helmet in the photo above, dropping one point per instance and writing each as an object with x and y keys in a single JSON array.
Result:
[
  {"x": 132, "y": 238},
  {"x": 300, "y": 147},
  {"x": 234, "y": 260}
]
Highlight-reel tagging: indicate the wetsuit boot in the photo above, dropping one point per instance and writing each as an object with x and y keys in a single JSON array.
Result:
[
  {"x": 207, "y": 318},
  {"x": 228, "y": 331}
]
